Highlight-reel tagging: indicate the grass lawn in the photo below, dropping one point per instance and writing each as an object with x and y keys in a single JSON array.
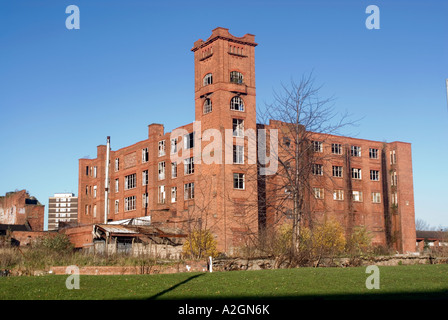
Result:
[{"x": 398, "y": 282}]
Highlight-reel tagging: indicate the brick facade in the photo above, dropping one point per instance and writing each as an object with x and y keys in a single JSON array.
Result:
[
  {"x": 20, "y": 208},
  {"x": 226, "y": 194}
]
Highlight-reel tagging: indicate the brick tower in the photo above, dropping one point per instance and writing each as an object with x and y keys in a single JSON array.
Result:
[{"x": 225, "y": 105}]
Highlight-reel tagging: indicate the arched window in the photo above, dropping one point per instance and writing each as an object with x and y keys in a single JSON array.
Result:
[
  {"x": 237, "y": 104},
  {"x": 207, "y": 106},
  {"x": 208, "y": 79},
  {"x": 236, "y": 77}
]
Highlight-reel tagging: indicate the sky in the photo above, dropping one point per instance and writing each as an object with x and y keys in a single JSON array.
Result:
[{"x": 63, "y": 91}]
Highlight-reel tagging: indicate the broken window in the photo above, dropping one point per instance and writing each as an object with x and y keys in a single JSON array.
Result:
[
  {"x": 317, "y": 169},
  {"x": 130, "y": 181},
  {"x": 317, "y": 146},
  {"x": 337, "y": 171},
  {"x": 189, "y": 165},
  {"x": 189, "y": 191},
  {"x": 356, "y": 173},
  {"x": 355, "y": 151},
  {"x": 238, "y": 127},
  {"x": 129, "y": 203},
  {"x": 236, "y": 77},
  {"x": 376, "y": 197},
  {"x": 237, "y": 104},
  {"x": 374, "y": 175},
  {"x": 162, "y": 170},
  {"x": 373, "y": 153},
  {"x": 318, "y": 193},
  {"x": 161, "y": 148},
  {"x": 208, "y": 79},
  {"x": 336, "y": 148}
]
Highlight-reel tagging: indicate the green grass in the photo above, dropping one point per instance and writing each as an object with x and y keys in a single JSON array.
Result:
[{"x": 400, "y": 282}]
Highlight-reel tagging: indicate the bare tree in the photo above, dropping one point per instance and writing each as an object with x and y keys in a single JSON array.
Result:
[{"x": 304, "y": 121}]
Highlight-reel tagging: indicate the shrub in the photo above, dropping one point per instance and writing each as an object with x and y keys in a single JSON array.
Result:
[
  {"x": 359, "y": 242},
  {"x": 200, "y": 244}
]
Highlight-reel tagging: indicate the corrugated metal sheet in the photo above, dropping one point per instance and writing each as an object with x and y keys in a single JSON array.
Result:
[{"x": 115, "y": 228}]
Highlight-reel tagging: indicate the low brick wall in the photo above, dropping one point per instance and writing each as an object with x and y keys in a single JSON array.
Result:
[{"x": 188, "y": 266}]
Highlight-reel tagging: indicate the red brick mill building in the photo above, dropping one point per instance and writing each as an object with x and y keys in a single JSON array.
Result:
[{"x": 372, "y": 182}]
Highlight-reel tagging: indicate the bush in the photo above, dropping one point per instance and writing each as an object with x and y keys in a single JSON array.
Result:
[
  {"x": 200, "y": 244},
  {"x": 58, "y": 243},
  {"x": 328, "y": 240},
  {"x": 359, "y": 242}
]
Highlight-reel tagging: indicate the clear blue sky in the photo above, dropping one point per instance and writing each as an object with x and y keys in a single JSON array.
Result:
[{"x": 63, "y": 91}]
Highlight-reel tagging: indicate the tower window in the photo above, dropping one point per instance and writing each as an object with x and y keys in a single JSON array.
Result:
[
  {"x": 207, "y": 106},
  {"x": 238, "y": 181},
  {"x": 237, "y": 104},
  {"x": 236, "y": 77},
  {"x": 208, "y": 79}
]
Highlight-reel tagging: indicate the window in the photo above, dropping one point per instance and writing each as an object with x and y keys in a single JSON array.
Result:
[
  {"x": 173, "y": 148},
  {"x": 238, "y": 154},
  {"x": 173, "y": 170},
  {"x": 237, "y": 104},
  {"x": 145, "y": 155},
  {"x": 130, "y": 181},
  {"x": 189, "y": 191},
  {"x": 286, "y": 142},
  {"x": 376, "y": 197},
  {"x": 238, "y": 127},
  {"x": 317, "y": 146},
  {"x": 145, "y": 178},
  {"x": 94, "y": 191},
  {"x": 117, "y": 206},
  {"x": 393, "y": 178},
  {"x": 373, "y": 153},
  {"x": 87, "y": 170},
  {"x": 161, "y": 194},
  {"x": 394, "y": 199},
  {"x": 161, "y": 148},
  {"x": 116, "y": 185},
  {"x": 207, "y": 106},
  {"x": 117, "y": 164},
  {"x": 129, "y": 203},
  {"x": 318, "y": 193},
  {"x": 337, "y": 171},
  {"x": 357, "y": 196},
  {"x": 173, "y": 194},
  {"x": 161, "y": 170},
  {"x": 95, "y": 169},
  {"x": 189, "y": 141},
  {"x": 355, "y": 151},
  {"x": 145, "y": 200},
  {"x": 236, "y": 77},
  {"x": 375, "y": 175},
  {"x": 338, "y": 195},
  {"x": 189, "y": 166},
  {"x": 94, "y": 211},
  {"x": 336, "y": 148},
  {"x": 86, "y": 210},
  {"x": 393, "y": 157},
  {"x": 238, "y": 181},
  {"x": 317, "y": 169},
  {"x": 356, "y": 173},
  {"x": 208, "y": 79}
]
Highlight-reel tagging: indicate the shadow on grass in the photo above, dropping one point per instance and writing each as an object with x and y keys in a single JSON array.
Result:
[
  {"x": 399, "y": 296},
  {"x": 161, "y": 293}
]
